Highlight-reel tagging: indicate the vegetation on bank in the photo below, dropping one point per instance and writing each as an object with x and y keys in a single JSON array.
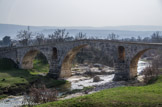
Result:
[
  {"x": 15, "y": 81},
  {"x": 150, "y": 96}
]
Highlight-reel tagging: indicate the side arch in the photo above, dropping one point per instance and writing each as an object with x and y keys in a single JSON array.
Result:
[
  {"x": 7, "y": 63},
  {"x": 134, "y": 62},
  {"x": 27, "y": 60},
  {"x": 67, "y": 61}
]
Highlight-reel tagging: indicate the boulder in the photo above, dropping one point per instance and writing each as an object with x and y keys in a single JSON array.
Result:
[
  {"x": 97, "y": 65},
  {"x": 96, "y": 79}
]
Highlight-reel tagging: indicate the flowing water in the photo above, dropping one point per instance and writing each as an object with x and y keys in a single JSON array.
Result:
[
  {"x": 142, "y": 65},
  {"x": 12, "y": 101},
  {"x": 77, "y": 82}
]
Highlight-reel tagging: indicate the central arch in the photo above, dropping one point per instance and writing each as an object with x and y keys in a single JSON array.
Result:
[
  {"x": 67, "y": 61},
  {"x": 134, "y": 63},
  {"x": 27, "y": 60}
]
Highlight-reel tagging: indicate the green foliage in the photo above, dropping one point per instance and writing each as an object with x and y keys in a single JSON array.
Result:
[
  {"x": 41, "y": 58},
  {"x": 130, "y": 96},
  {"x": 17, "y": 81},
  {"x": 40, "y": 64},
  {"x": 13, "y": 77},
  {"x": 40, "y": 67}
]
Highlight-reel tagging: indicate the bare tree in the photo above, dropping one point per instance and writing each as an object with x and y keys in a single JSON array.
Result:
[
  {"x": 151, "y": 73},
  {"x": 59, "y": 35},
  {"x": 40, "y": 94},
  {"x": 139, "y": 39},
  {"x": 112, "y": 36},
  {"x": 40, "y": 38},
  {"x": 80, "y": 36},
  {"x": 133, "y": 39},
  {"x": 6, "y": 40},
  {"x": 156, "y": 37},
  {"x": 146, "y": 39},
  {"x": 24, "y": 36}
]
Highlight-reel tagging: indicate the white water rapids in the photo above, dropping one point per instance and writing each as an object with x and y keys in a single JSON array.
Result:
[{"x": 79, "y": 82}]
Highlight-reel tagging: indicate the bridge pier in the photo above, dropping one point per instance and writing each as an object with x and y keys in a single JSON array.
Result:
[
  {"x": 54, "y": 73},
  {"x": 121, "y": 71},
  {"x": 55, "y": 68}
]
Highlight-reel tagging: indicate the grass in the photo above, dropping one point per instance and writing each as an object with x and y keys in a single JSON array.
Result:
[
  {"x": 130, "y": 96},
  {"x": 39, "y": 67},
  {"x": 17, "y": 81},
  {"x": 12, "y": 77}
]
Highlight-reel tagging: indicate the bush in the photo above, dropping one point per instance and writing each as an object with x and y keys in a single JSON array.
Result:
[
  {"x": 150, "y": 74},
  {"x": 39, "y": 95}
]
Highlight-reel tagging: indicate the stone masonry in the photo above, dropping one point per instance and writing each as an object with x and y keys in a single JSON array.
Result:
[{"x": 125, "y": 55}]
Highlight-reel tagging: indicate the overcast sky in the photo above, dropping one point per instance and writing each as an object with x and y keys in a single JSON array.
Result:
[{"x": 81, "y": 12}]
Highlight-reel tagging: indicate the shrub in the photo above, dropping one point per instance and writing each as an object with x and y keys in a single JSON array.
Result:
[
  {"x": 150, "y": 73},
  {"x": 39, "y": 95}
]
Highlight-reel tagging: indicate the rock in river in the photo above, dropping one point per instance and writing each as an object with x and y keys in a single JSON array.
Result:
[{"x": 96, "y": 79}]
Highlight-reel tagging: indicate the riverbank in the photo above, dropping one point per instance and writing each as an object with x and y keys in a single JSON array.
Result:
[
  {"x": 128, "y": 96},
  {"x": 17, "y": 82},
  {"x": 92, "y": 89}
]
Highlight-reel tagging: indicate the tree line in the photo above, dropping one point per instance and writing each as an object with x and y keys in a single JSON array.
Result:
[
  {"x": 156, "y": 37},
  {"x": 26, "y": 37}
]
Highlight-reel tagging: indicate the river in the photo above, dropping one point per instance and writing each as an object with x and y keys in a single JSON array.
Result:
[{"x": 77, "y": 82}]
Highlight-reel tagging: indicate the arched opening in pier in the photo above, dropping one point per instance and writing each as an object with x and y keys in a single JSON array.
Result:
[
  {"x": 121, "y": 53},
  {"x": 35, "y": 60},
  {"x": 54, "y": 53}
]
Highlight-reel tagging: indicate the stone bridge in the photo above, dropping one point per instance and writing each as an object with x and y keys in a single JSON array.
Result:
[{"x": 125, "y": 55}]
